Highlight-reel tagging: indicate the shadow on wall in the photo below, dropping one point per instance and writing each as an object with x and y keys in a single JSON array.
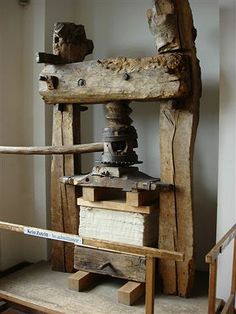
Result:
[{"x": 206, "y": 175}]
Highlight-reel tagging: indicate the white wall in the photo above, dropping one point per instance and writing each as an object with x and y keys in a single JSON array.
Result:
[
  {"x": 227, "y": 141},
  {"x": 12, "y": 193},
  {"x": 25, "y": 120},
  {"x": 22, "y": 183},
  {"x": 120, "y": 28}
]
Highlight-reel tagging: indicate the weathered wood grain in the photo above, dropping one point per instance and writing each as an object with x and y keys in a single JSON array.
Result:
[
  {"x": 167, "y": 224},
  {"x": 158, "y": 77},
  {"x": 52, "y": 150},
  {"x": 172, "y": 25},
  {"x": 162, "y": 21},
  {"x": 130, "y": 267},
  {"x": 71, "y": 45},
  {"x": 57, "y": 220}
]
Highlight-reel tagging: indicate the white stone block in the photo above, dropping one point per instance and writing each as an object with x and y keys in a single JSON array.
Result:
[{"x": 118, "y": 226}]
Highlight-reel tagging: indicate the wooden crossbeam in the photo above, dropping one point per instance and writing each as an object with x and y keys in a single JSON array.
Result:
[
  {"x": 99, "y": 244},
  {"x": 97, "y": 81},
  {"x": 115, "y": 264},
  {"x": 117, "y": 205}
]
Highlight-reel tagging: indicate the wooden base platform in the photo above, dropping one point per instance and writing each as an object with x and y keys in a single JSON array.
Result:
[{"x": 47, "y": 291}]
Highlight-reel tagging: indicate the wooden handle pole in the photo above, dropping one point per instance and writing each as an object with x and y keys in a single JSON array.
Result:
[
  {"x": 212, "y": 288},
  {"x": 99, "y": 244},
  {"x": 53, "y": 150},
  {"x": 150, "y": 284},
  {"x": 233, "y": 283}
]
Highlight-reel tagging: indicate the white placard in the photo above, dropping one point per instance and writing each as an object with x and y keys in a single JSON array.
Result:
[{"x": 53, "y": 235}]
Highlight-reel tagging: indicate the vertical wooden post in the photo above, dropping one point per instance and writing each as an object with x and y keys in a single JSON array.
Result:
[
  {"x": 172, "y": 26},
  {"x": 233, "y": 283},
  {"x": 71, "y": 45},
  {"x": 212, "y": 288},
  {"x": 150, "y": 284}
]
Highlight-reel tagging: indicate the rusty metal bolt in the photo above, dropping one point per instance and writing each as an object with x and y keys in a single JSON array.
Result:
[
  {"x": 81, "y": 82},
  {"x": 126, "y": 76}
]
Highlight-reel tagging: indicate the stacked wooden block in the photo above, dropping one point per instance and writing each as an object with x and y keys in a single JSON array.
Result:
[{"x": 124, "y": 217}]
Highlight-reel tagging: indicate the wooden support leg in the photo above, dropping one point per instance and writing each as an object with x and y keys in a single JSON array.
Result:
[
  {"x": 81, "y": 280},
  {"x": 212, "y": 288},
  {"x": 233, "y": 282},
  {"x": 130, "y": 292},
  {"x": 150, "y": 284},
  {"x": 66, "y": 131}
]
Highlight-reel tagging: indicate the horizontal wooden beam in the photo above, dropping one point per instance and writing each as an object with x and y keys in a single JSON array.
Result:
[
  {"x": 133, "y": 249},
  {"x": 117, "y": 205},
  {"x": 98, "y": 244},
  {"x": 116, "y": 79},
  {"x": 52, "y": 150},
  {"x": 221, "y": 245},
  {"x": 115, "y": 264}
]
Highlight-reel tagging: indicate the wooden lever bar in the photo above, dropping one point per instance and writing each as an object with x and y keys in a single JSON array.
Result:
[
  {"x": 221, "y": 245},
  {"x": 100, "y": 244},
  {"x": 211, "y": 258},
  {"x": 53, "y": 150}
]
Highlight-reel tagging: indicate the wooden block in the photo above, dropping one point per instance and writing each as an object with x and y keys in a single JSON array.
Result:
[
  {"x": 118, "y": 205},
  {"x": 130, "y": 292},
  {"x": 125, "y": 266},
  {"x": 99, "y": 194},
  {"x": 141, "y": 198},
  {"x": 122, "y": 227},
  {"x": 81, "y": 280}
]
